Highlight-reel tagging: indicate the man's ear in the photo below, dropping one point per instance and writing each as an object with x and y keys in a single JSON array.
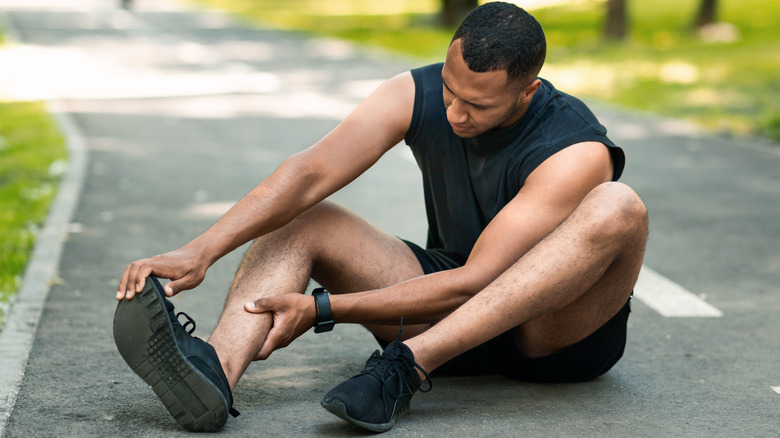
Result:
[{"x": 528, "y": 93}]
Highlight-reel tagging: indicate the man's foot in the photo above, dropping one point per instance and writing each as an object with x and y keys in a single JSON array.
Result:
[
  {"x": 380, "y": 394},
  {"x": 184, "y": 371}
]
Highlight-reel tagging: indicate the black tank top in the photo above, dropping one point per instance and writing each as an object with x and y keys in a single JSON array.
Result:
[{"x": 466, "y": 182}]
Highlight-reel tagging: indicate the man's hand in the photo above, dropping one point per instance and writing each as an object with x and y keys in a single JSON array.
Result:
[
  {"x": 293, "y": 314},
  {"x": 183, "y": 266}
]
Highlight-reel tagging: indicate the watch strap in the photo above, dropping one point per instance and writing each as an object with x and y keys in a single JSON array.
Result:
[{"x": 324, "y": 316}]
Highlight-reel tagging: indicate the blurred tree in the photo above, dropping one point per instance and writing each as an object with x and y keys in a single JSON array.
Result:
[
  {"x": 707, "y": 13},
  {"x": 616, "y": 24},
  {"x": 453, "y": 11}
]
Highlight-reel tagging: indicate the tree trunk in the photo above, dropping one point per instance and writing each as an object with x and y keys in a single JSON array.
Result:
[
  {"x": 616, "y": 24},
  {"x": 453, "y": 11},
  {"x": 707, "y": 13}
]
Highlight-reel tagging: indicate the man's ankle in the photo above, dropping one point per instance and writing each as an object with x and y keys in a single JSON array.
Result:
[
  {"x": 231, "y": 372},
  {"x": 422, "y": 359}
]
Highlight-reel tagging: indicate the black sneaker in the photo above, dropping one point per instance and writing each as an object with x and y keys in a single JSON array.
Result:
[
  {"x": 380, "y": 394},
  {"x": 184, "y": 371}
]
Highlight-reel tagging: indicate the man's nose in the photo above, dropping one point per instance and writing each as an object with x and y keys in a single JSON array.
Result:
[{"x": 456, "y": 112}]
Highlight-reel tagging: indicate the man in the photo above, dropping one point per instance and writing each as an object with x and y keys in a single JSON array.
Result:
[{"x": 531, "y": 258}]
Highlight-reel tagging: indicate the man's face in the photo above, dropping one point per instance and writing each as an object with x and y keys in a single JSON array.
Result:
[{"x": 479, "y": 102}]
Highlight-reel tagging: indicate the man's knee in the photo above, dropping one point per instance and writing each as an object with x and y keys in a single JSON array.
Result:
[
  {"x": 313, "y": 220},
  {"x": 324, "y": 211},
  {"x": 616, "y": 208},
  {"x": 295, "y": 236}
]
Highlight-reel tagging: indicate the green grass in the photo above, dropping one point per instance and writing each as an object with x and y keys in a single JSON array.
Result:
[
  {"x": 404, "y": 26},
  {"x": 32, "y": 154},
  {"x": 666, "y": 68},
  {"x": 663, "y": 67}
]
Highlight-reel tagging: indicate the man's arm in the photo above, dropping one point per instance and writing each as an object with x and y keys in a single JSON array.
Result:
[
  {"x": 548, "y": 197},
  {"x": 301, "y": 181},
  {"x": 550, "y": 194}
]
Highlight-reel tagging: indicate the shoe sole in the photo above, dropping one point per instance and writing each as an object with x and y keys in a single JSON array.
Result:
[
  {"x": 144, "y": 337},
  {"x": 337, "y": 408}
]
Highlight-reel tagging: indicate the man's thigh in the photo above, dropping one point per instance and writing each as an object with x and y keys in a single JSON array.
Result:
[{"x": 352, "y": 255}]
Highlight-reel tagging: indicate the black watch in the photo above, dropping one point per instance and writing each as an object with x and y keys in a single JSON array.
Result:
[{"x": 324, "y": 321}]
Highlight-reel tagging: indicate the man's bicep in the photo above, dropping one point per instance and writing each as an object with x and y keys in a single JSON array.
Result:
[{"x": 376, "y": 125}]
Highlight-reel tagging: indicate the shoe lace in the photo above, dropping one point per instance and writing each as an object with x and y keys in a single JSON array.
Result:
[
  {"x": 399, "y": 367},
  {"x": 189, "y": 322}
]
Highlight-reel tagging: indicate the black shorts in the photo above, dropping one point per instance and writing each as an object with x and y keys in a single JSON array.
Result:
[{"x": 585, "y": 360}]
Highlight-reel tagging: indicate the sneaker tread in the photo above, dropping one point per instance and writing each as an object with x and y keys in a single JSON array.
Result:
[{"x": 144, "y": 337}]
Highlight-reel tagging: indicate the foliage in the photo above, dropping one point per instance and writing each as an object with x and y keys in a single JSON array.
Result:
[
  {"x": 32, "y": 155},
  {"x": 401, "y": 26},
  {"x": 725, "y": 80}
]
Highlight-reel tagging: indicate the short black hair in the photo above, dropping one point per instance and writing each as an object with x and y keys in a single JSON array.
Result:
[{"x": 502, "y": 36}]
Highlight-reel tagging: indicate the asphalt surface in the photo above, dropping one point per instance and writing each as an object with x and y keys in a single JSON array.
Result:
[{"x": 182, "y": 112}]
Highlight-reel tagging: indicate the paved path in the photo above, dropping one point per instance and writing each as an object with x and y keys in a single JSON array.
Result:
[{"x": 183, "y": 112}]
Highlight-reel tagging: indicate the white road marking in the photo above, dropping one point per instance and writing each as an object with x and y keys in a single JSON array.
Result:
[
  {"x": 669, "y": 298},
  {"x": 776, "y": 389}
]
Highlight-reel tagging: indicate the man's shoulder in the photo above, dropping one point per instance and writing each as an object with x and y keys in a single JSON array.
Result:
[
  {"x": 428, "y": 75},
  {"x": 562, "y": 100},
  {"x": 429, "y": 117},
  {"x": 561, "y": 112},
  {"x": 430, "y": 68}
]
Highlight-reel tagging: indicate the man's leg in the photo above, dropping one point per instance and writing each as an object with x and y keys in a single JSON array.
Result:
[
  {"x": 340, "y": 250},
  {"x": 565, "y": 288}
]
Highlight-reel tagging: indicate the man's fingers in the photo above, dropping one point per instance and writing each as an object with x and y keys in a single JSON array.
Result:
[
  {"x": 127, "y": 284},
  {"x": 270, "y": 344},
  {"x": 140, "y": 279},
  {"x": 174, "y": 287},
  {"x": 264, "y": 352},
  {"x": 259, "y": 306},
  {"x": 120, "y": 291},
  {"x": 133, "y": 279},
  {"x": 188, "y": 281},
  {"x": 130, "y": 284},
  {"x": 180, "y": 266}
]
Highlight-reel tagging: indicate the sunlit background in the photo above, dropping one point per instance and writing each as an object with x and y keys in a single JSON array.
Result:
[{"x": 721, "y": 75}]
